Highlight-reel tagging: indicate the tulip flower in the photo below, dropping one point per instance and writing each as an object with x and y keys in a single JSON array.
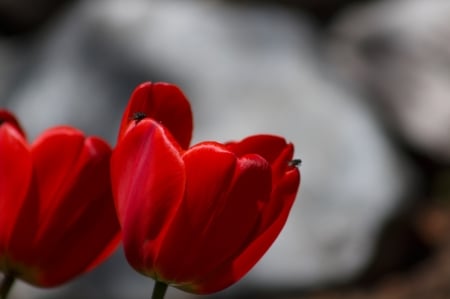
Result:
[
  {"x": 57, "y": 215},
  {"x": 197, "y": 218}
]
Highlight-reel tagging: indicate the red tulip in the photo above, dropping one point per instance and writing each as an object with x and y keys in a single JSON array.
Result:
[
  {"x": 57, "y": 215},
  {"x": 198, "y": 218}
]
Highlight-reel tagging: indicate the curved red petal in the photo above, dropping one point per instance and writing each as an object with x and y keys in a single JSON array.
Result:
[
  {"x": 69, "y": 205},
  {"x": 267, "y": 146},
  {"x": 83, "y": 229},
  {"x": 236, "y": 219},
  {"x": 148, "y": 179},
  {"x": 282, "y": 171},
  {"x": 166, "y": 104},
  {"x": 209, "y": 172},
  {"x": 282, "y": 163},
  {"x": 55, "y": 155},
  {"x": 15, "y": 178},
  {"x": 8, "y": 117},
  {"x": 230, "y": 273}
]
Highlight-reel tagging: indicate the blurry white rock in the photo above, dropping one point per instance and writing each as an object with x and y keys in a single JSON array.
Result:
[
  {"x": 246, "y": 70},
  {"x": 400, "y": 52}
]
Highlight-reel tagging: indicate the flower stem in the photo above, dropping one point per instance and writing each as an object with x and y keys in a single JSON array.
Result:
[
  {"x": 7, "y": 283},
  {"x": 159, "y": 290}
]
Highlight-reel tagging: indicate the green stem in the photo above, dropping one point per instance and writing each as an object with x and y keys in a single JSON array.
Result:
[
  {"x": 7, "y": 283},
  {"x": 159, "y": 290}
]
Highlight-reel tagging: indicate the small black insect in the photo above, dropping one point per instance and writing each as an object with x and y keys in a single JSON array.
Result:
[
  {"x": 138, "y": 116},
  {"x": 295, "y": 162}
]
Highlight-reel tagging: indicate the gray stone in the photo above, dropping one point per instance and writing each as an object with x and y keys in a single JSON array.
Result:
[{"x": 399, "y": 52}]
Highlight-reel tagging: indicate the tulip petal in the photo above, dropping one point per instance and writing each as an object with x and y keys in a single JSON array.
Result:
[
  {"x": 55, "y": 155},
  {"x": 15, "y": 176},
  {"x": 238, "y": 219},
  {"x": 267, "y": 146},
  {"x": 83, "y": 226},
  {"x": 209, "y": 172},
  {"x": 229, "y": 273},
  {"x": 148, "y": 180},
  {"x": 285, "y": 181},
  {"x": 166, "y": 104},
  {"x": 51, "y": 171},
  {"x": 281, "y": 172},
  {"x": 69, "y": 218},
  {"x": 233, "y": 221},
  {"x": 279, "y": 154}
]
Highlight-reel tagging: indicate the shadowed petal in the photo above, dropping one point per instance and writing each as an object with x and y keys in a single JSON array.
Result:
[
  {"x": 235, "y": 219},
  {"x": 229, "y": 273},
  {"x": 83, "y": 229},
  {"x": 68, "y": 223},
  {"x": 55, "y": 156}
]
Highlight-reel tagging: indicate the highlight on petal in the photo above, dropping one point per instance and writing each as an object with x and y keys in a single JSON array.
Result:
[
  {"x": 8, "y": 117},
  {"x": 163, "y": 102},
  {"x": 148, "y": 180}
]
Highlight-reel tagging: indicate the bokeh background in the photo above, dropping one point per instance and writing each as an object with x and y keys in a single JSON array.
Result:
[{"x": 362, "y": 88}]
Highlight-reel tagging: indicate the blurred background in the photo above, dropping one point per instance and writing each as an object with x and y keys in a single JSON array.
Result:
[{"x": 362, "y": 88}]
